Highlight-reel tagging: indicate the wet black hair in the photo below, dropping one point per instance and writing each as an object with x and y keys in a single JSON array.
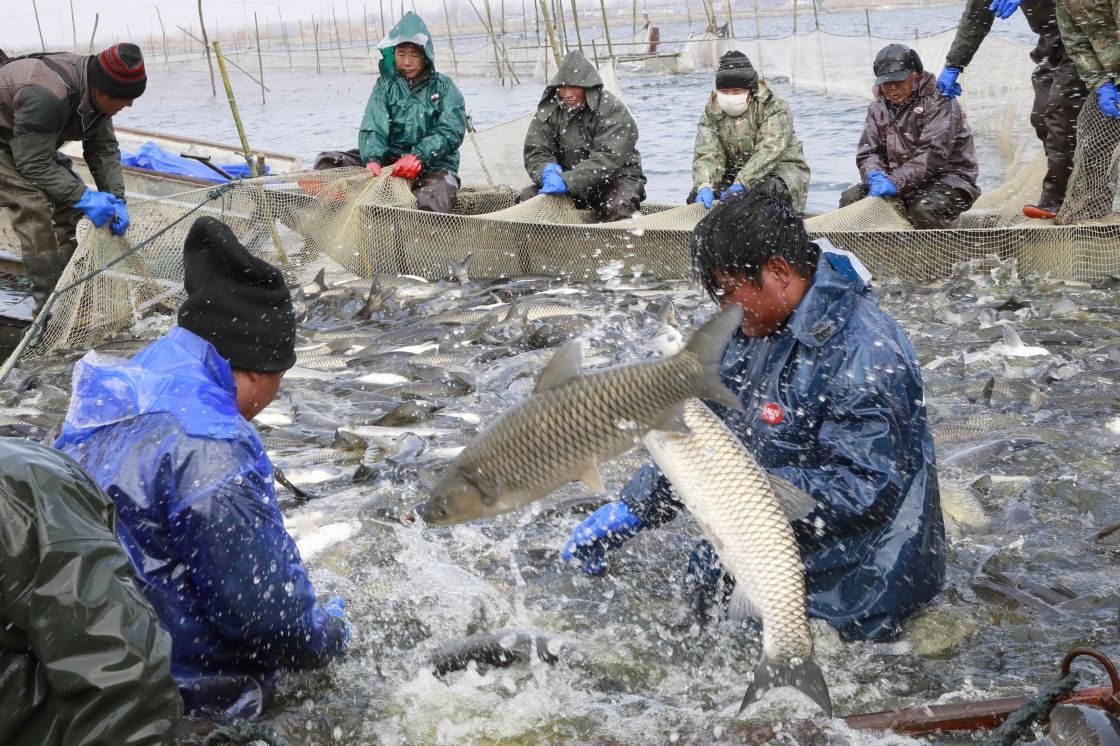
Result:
[{"x": 743, "y": 232}]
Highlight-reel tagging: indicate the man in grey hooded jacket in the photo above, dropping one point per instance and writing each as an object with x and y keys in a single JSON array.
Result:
[{"x": 582, "y": 141}]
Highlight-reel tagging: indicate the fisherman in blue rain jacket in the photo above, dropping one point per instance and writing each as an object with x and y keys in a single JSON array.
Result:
[
  {"x": 167, "y": 435},
  {"x": 832, "y": 401}
]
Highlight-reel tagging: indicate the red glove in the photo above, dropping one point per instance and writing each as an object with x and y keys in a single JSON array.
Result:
[
  {"x": 407, "y": 166},
  {"x": 375, "y": 167}
]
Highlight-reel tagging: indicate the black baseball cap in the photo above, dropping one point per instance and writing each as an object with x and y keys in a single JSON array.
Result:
[{"x": 894, "y": 62}]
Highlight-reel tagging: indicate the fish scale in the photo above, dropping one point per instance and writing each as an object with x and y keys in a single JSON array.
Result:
[{"x": 734, "y": 502}]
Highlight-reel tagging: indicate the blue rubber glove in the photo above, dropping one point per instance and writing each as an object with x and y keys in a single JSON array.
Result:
[
  {"x": 552, "y": 182},
  {"x": 705, "y": 197},
  {"x": 1109, "y": 100},
  {"x": 1004, "y": 8},
  {"x": 99, "y": 207},
  {"x": 880, "y": 185},
  {"x": 119, "y": 224},
  {"x": 607, "y": 528},
  {"x": 947, "y": 82},
  {"x": 335, "y": 606},
  {"x": 733, "y": 189}
]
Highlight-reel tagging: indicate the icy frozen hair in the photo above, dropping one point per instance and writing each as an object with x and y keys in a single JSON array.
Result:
[{"x": 743, "y": 232}]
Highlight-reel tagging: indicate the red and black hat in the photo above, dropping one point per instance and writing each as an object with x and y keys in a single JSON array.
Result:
[{"x": 119, "y": 71}]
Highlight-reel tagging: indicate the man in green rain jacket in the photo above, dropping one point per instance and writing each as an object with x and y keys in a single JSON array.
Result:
[
  {"x": 415, "y": 118},
  {"x": 745, "y": 138},
  {"x": 83, "y": 659},
  {"x": 582, "y": 141}
]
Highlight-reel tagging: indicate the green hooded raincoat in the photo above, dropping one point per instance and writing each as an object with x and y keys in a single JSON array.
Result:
[{"x": 427, "y": 119}]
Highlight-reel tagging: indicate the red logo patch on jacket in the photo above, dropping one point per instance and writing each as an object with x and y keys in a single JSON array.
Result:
[{"x": 772, "y": 414}]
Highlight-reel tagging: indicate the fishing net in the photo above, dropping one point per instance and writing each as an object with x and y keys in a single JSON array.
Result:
[{"x": 370, "y": 225}]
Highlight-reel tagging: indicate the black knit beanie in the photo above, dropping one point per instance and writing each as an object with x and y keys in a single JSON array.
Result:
[
  {"x": 736, "y": 71},
  {"x": 119, "y": 71},
  {"x": 235, "y": 301}
]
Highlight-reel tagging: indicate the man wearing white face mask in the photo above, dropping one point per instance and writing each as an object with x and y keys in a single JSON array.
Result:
[{"x": 746, "y": 138}]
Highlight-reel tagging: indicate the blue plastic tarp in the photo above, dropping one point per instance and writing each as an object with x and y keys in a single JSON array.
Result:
[{"x": 155, "y": 158}]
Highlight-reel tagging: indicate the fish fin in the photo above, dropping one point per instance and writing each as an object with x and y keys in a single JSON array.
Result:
[
  {"x": 796, "y": 502},
  {"x": 708, "y": 344},
  {"x": 673, "y": 422},
  {"x": 458, "y": 271},
  {"x": 563, "y": 367},
  {"x": 667, "y": 314},
  {"x": 805, "y": 677},
  {"x": 1011, "y": 338},
  {"x": 741, "y": 606},
  {"x": 986, "y": 392},
  {"x": 590, "y": 476}
]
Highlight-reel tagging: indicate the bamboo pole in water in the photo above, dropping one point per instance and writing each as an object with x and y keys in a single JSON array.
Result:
[
  {"x": 349, "y": 24},
  {"x": 384, "y": 28},
  {"x": 35, "y": 8},
  {"x": 758, "y": 38},
  {"x": 497, "y": 48},
  {"x": 537, "y": 21},
  {"x": 575, "y": 22},
  {"x": 607, "y": 26},
  {"x": 450, "y": 38},
  {"x": 338, "y": 40},
  {"x": 260, "y": 60},
  {"x": 163, "y": 32},
  {"x": 816, "y": 18},
  {"x": 74, "y": 26},
  {"x": 284, "y": 33},
  {"x": 248, "y": 74},
  {"x": 562, "y": 25},
  {"x": 206, "y": 46},
  {"x": 730, "y": 21},
  {"x": 315, "y": 27},
  {"x": 551, "y": 32},
  {"x": 634, "y": 19},
  {"x": 365, "y": 28},
  {"x": 795, "y": 17},
  {"x": 245, "y": 151}
]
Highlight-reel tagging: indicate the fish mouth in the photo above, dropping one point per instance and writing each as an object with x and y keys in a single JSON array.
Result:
[{"x": 428, "y": 512}]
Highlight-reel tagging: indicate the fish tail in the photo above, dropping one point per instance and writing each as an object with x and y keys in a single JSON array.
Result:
[
  {"x": 806, "y": 677},
  {"x": 708, "y": 345}
]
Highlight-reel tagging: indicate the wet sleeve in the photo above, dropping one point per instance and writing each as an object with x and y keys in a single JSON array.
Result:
[
  {"x": 774, "y": 137},
  {"x": 373, "y": 138},
  {"x": 249, "y": 574},
  {"x": 39, "y": 117},
  {"x": 862, "y": 444},
  {"x": 614, "y": 141},
  {"x": 105, "y": 658},
  {"x": 872, "y": 151},
  {"x": 975, "y": 23},
  {"x": 541, "y": 147},
  {"x": 933, "y": 148},
  {"x": 450, "y": 128},
  {"x": 709, "y": 160},
  {"x": 103, "y": 156},
  {"x": 649, "y": 496}
]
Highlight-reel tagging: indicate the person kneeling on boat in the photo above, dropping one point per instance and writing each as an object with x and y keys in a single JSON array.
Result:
[
  {"x": 45, "y": 101},
  {"x": 167, "y": 435},
  {"x": 582, "y": 141},
  {"x": 415, "y": 120},
  {"x": 745, "y": 139},
  {"x": 83, "y": 656},
  {"x": 916, "y": 144},
  {"x": 832, "y": 402}
]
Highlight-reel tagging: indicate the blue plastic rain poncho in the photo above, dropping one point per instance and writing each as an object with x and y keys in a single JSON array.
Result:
[
  {"x": 197, "y": 514},
  {"x": 833, "y": 402}
]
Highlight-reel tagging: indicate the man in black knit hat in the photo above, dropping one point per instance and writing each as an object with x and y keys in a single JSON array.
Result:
[
  {"x": 45, "y": 101},
  {"x": 745, "y": 138},
  {"x": 167, "y": 435}
]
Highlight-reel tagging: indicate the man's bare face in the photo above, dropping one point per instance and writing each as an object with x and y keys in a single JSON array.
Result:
[
  {"x": 409, "y": 60},
  {"x": 572, "y": 96},
  {"x": 900, "y": 90}
]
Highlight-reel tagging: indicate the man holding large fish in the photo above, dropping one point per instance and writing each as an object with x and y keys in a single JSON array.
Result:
[{"x": 831, "y": 396}]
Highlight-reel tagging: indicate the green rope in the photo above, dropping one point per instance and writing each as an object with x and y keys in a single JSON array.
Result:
[
  {"x": 242, "y": 733},
  {"x": 33, "y": 337},
  {"x": 1019, "y": 723}
]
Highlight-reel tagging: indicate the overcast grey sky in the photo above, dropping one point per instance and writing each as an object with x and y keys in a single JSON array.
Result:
[{"x": 120, "y": 18}]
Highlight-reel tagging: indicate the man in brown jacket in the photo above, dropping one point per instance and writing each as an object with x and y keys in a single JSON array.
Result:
[
  {"x": 916, "y": 144},
  {"x": 46, "y": 100}
]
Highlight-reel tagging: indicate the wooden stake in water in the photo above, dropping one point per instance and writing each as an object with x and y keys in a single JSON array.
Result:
[
  {"x": 575, "y": 22},
  {"x": 74, "y": 26},
  {"x": 867, "y": 20},
  {"x": 450, "y": 38},
  {"x": 338, "y": 40},
  {"x": 236, "y": 114},
  {"x": 561, "y": 25},
  {"x": 730, "y": 21},
  {"x": 384, "y": 28},
  {"x": 816, "y": 18},
  {"x": 758, "y": 38},
  {"x": 349, "y": 24},
  {"x": 497, "y": 47},
  {"x": 260, "y": 61},
  {"x": 607, "y": 26},
  {"x": 35, "y": 8},
  {"x": 365, "y": 28},
  {"x": 795, "y": 17},
  {"x": 206, "y": 46},
  {"x": 551, "y": 33},
  {"x": 163, "y": 32},
  {"x": 284, "y": 33},
  {"x": 315, "y": 26}
]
